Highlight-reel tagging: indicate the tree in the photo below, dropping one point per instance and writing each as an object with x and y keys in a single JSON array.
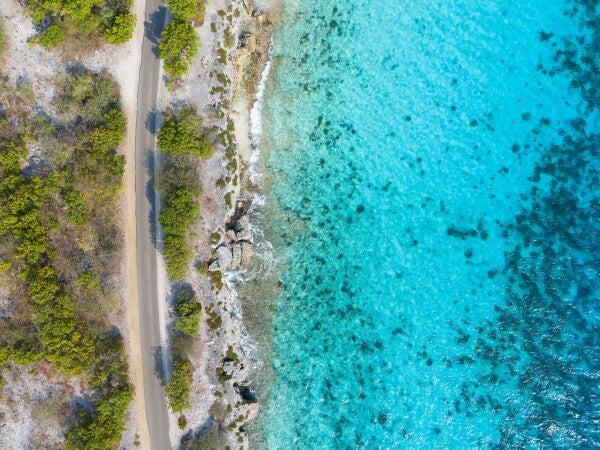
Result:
[
  {"x": 82, "y": 18},
  {"x": 120, "y": 28},
  {"x": 178, "y": 388},
  {"x": 102, "y": 429},
  {"x": 51, "y": 37},
  {"x": 178, "y": 47},
  {"x": 189, "y": 10},
  {"x": 189, "y": 311},
  {"x": 182, "y": 134}
]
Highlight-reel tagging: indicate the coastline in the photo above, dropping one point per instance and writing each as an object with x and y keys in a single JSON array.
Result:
[{"x": 226, "y": 354}]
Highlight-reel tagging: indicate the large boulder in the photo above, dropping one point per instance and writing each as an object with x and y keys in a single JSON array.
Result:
[
  {"x": 237, "y": 255},
  {"x": 247, "y": 253},
  {"x": 224, "y": 257}
]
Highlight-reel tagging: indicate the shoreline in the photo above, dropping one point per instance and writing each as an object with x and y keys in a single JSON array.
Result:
[
  {"x": 224, "y": 354},
  {"x": 259, "y": 289}
]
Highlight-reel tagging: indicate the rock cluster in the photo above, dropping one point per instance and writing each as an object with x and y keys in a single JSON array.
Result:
[{"x": 237, "y": 249}]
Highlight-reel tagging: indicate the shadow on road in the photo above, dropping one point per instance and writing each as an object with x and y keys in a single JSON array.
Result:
[
  {"x": 151, "y": 196},
  {"x": 151, "y": 121},
  {"x": 159, "y": 367},
  {"x": 154, "y": 27}
]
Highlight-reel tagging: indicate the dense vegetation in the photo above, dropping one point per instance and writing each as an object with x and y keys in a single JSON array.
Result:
[
  {"x": 178, "y": 389},
  {"x": 59, "y": 244},
  {"x": 186, "y": 326},
  {"x": 179, "y": 45},
  {"x": 182, "y": 134},
  {"x": 181, "y": 211},
  {"x": 183, "y": 139},
  {"x": 82, "y": 19},
  {"x": 189, "y": 312},
  {"x": 188, "y": 10}
]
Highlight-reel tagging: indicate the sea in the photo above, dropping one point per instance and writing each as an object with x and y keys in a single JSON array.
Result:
[{"x": 430, "y": 198}]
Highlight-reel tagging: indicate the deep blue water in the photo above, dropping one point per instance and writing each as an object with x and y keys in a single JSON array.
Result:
[{"x": 435, "y": 209}]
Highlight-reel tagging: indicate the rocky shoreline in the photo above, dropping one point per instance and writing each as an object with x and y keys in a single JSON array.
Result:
[{"x": 223, "y": 402}]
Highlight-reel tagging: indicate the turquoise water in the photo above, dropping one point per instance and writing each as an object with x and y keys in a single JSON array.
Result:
[{"x": 435, "y": 208}]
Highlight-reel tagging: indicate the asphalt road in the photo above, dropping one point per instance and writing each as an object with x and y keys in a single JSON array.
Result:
[{"x": 156, "y": 408}]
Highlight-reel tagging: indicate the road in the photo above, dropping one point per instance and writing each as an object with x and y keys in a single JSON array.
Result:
[{"x": 146, "y": 252}]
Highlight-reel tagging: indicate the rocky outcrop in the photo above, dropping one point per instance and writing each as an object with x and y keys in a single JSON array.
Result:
[{"x": 237, "y": 250}]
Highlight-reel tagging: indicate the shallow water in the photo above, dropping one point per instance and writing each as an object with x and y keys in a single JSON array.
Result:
[{"x": 431, "y": 180}]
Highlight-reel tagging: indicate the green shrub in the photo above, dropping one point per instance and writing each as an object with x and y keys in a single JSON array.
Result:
[
  {"x": 120, "y": 28},
  {"x": 189, "y": 311},
  {"x": 178, "y": 389},
  {"x": 85, "y": 19},
  {"x": 88, "y": 281},
  {"x": 179, "y": 212},
  {"x": 2, "y": 39},
  {"x": 182, "y": 134},
  {"x": 51, "y": 37},
  {"x": 178, "y": 47},
  {"x": 188, "y": 10},
  {"x": 76, "y": 211},
  {"x": 222, "y": 55},
  {"x": 29, "y": 221},
  {"x": 101, "y": 429},
  {"x": 227, "y": 38}
]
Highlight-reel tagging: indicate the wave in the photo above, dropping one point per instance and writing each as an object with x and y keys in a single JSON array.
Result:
[{"x": 256, "y": 119}]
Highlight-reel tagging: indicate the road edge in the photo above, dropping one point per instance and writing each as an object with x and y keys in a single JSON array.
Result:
[{"x": 135, "y": 343}]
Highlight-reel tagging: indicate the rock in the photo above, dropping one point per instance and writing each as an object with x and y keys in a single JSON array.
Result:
[
  {"x": 247, "y": 254},
  {"x": 249, "y": 5},
  {"x": 214, "y": 266},
  {"x": 237, "y": 255},
  {"x": 263, "y": 18},
  {"x": 224, "y": 257},
  {"x": 243, "y": 223},
  {"x": 245, "y": 235},
  {"x": 231, "y": 235},
  {"x": 250, "y": 43},
  {"x": 252, "y": 411}
]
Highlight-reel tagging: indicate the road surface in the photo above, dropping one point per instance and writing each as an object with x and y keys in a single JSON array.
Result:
[{"x": 149, "y": 311}]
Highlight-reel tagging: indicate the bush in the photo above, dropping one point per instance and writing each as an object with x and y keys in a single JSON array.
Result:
[
  {"x": 76, "y": 212},
  {"x": 30, "y": 219},
  {"x": 179, "y": 212},
  {"x": 182, "y": 134},
  {"x": 189, "y": 311},
  {"x": 120, "y": 28},
  {"x": 51, "y": 37},
  {"x": 85, "y": 19},
  {"x": 188, "y": 10},
  {"x": 178, "y": 47},
  {"x": 101, "y": 429},
  {"x": 88, "y": 281},
  {"x": 178, "y": 389}
]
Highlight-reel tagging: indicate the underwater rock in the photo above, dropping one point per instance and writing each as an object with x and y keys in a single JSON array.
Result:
[{"x": 245, "y": 393}]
